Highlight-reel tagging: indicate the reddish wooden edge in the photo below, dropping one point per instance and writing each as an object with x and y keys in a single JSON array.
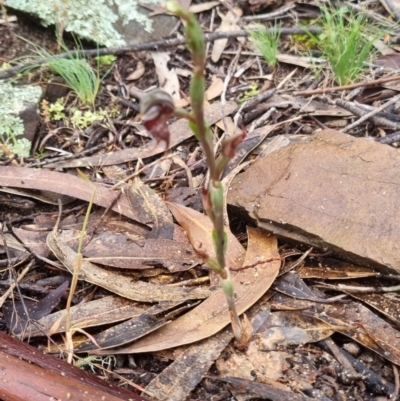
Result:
[{"x": 28, "y": 374}]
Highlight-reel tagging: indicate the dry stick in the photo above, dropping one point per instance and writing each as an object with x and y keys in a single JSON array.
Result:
[
  {"x": 85, "y": 152},
  {"x": 391, "y": 8},
  {"x": 273, "y": 15},
  {"x": 261, "y": 97},
  {"x": 389, "y": 139},
  {"x": 13, "y": 285},
  {"x": 117, "y": 51},
  {"x": 395, "y": 393},
  {"x": 372, "y": 113},
  {"x": 359, "y": 113},
  {"x": 345, "y": 87}
]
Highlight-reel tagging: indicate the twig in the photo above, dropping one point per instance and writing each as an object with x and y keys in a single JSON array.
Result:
[
  {"x": 359, "y": 113},
  {"x": 156, "y": 45},
  {"x": 391, "y": 8},
  {"x": 345, "y": 87},
  {"x": 270, "y": 16},
  {"x": 85, "y": 152},
  {"x": 371, "y": 114},
  {"x": 395, "y": 393},
  {"x": 389, "y": 139},
  {"x": 351, "y": 289},
  {"x": 15, "y": 283},
  {"x": 261, "y": 120},
  {"x": 261, "y": 97}
]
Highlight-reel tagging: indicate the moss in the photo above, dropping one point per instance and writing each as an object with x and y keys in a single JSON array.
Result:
[{"x": 92, "y": 19}]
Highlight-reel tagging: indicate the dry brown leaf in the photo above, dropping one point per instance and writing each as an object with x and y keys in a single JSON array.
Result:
[
  {"x": 215, "y": 89},
  {"x": 344, "y": 271},
  {"x": 151, "y": 205},
  {"x": 181, "y": 377},
  {"x": 167, "y": 78},
  {"x": 67, "y": 184},
  {"x": 34, "y": 240},
  {"x": 106, "y": 310},
  {"x": 388, "y": 304},
  {"x": 118, "y": 283},
  {"x": 138, "y": 73},
  {"x": 301, "y": 61},
  {"x": 212, "y": 315},
  {"x": 274, "y": 391},
  {"x": 199, "y": 228},
  {"x": 353, "y": 320},
  {"x": 229, "y": 23},
  {"x": 136, "y": 327},
  {"x": 117, "y": 250},
  {"x": 291, "y": 328},
  {"x": 230, "y": 126},
  {"x": 204, "y": 6}
]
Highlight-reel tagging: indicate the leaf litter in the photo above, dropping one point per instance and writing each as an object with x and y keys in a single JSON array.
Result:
[{"x": 312, "y": 313}]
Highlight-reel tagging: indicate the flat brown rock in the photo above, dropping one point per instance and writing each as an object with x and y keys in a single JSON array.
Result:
[{"x": 332, "y": 191}]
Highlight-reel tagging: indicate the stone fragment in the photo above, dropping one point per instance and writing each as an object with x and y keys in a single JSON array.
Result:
[
  {"x": 107, "y": 22},
  {"x": 19, "y": 117},
  {"x": 332, "y": 191}
]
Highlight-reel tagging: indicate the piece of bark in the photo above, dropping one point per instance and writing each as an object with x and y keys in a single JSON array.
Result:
[
  {"x": 28, "y": 374},
  {"x": 332, "y": 191}
]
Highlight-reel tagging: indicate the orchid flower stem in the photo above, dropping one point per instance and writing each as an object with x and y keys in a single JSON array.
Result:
[
  {"x": 156, "y": 108},
  {"x": 182, "y": 113}
]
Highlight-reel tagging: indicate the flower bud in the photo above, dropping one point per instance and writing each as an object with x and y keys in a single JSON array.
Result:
[
  {"x": 229, "y": 146},
  {"x": 157, "y": 107}
]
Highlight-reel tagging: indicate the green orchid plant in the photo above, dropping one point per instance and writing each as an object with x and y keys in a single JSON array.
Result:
[{"x": 157, "y": 107}]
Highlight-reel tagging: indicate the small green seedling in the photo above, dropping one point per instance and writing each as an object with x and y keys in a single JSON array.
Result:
[
  {"x": 79, "y": 76},
  {"x": 82, "y": 120},
  {"x": 75, "y": 70},
  {"x": 346, "y": 41},
  {"x": 106, "y": 60},
  {"x": 157, "y": 107},
  {"x": 267, "y": 43},
  {"x": 56, "y": 110}
]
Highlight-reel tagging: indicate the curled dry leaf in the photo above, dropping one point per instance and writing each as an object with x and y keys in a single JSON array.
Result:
[
  {"x": 167, "y": 78},
  {"x": 351, "y": 319},
  {"x": 181, "y": 377},
  {"x": 117, "y": 250},
  {"x": 185, "y": 373},
  {"x": 260, "y": 268},
  {"x": 138, "y": 73},
  {"x": 130, "y": 330},
  {"x": 152, "y": 208},
  {"x": 102, "y": 311},
  {"x": 120, "y": 284},
  {"x": 229, "y": 23},
  {"x": 67, "y": 184}
]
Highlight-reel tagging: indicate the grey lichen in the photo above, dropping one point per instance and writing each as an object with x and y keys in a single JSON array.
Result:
[
  {"x": 12, "y": 102},
  {"x": 92, "y": 19}
]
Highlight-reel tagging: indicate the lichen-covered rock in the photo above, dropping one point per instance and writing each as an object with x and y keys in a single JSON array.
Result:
[
  {"x": 17, "y": 125},
  {"x": 107, "y": 22}
]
